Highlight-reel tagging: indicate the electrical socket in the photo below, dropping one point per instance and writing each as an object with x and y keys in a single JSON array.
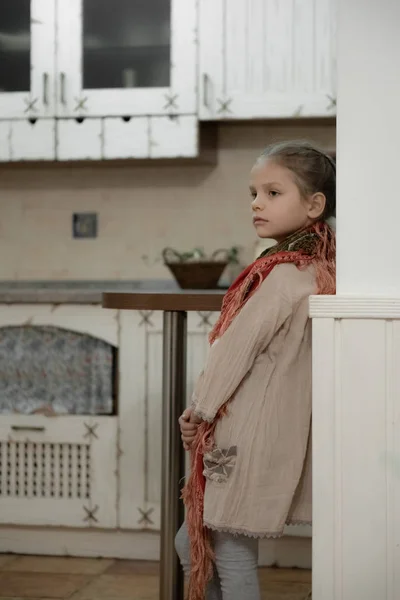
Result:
[{"x": 84, "y": 225}]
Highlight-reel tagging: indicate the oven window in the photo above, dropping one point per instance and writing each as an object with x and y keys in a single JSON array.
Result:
[{"x": 49, "y": 370}]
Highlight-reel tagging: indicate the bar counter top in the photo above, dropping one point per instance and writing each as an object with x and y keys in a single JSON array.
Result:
[{"x": 177, "y": 300}]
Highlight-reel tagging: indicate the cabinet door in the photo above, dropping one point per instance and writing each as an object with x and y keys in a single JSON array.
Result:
[
  {"x": 141, "y": 409},
  {"x": 27, "y": 56},
  {"x": 58, "y": 471},
  {"x": 126, "y": 57},
  {"x": 267, "y": 59}
]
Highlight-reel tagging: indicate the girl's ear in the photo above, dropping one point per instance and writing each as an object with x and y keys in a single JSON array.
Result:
[{"x": 316, "y": 205}]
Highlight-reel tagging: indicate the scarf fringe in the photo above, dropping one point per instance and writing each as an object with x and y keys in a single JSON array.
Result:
[
  {"x": 320, "y": 252},
  {"x": 201, "y": 551}
]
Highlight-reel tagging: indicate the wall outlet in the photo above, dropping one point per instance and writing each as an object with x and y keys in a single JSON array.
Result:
[{"x": 84, "y": 225}]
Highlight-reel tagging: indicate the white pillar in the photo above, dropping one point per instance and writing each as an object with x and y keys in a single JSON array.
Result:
[
  {"x": 356, "y": 353},
  {"x": 368, "y": 146}
]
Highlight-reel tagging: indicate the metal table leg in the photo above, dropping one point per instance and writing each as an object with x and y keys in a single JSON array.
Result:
[{"x": 173, "y": 463}]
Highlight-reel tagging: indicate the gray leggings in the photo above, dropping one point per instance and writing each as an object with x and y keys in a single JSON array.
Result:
[{"x": 236, "y": 564}]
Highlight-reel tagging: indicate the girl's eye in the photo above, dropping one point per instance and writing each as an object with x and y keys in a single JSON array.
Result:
[
  {"x": 253, "y": 195},
  {"x": 274, "y": 193}
]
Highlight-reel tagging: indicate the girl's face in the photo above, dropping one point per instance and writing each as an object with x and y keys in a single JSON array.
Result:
[{"x": 278, "y": 207}]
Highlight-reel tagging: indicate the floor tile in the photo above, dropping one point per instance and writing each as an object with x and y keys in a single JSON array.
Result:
[
  {"x": 296, "y": 575},
  {"x": 134, "y": 567},
  {"x": 41, "y": 585},
  {"x": 275, "y": 590},
  {"x": 56, "y": 578},
  {"x": 60, "y": 564},
  {"x": 120, "y": 587},
  {"x": 6, "y": 559}
]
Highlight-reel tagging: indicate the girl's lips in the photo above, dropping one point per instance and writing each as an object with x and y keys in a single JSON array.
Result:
[{"x": 259, "y": 220}]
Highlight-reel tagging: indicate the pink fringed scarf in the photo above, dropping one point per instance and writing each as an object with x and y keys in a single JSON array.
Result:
[{"x": 315, "y": 245}]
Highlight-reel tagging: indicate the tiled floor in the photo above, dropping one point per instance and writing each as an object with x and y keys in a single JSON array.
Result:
[{"x": 52, "y": 578}]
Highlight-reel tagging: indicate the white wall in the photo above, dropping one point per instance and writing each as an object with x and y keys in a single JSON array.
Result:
[{"x": 141, "y": 209}]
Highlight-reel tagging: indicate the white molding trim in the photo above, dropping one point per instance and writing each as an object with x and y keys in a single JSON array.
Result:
[
  {"x": 288, "y": 551},
  {"x": 354, "y": 307}
]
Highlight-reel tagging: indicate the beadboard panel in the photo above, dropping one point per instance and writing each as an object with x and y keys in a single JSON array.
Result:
[{"x": 356, "y": 472}]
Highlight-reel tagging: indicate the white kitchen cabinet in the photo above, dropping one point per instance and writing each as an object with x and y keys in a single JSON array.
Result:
[
  {"x": 94, "y": 470},
  {"x": 267, "y": 59},
  {"x": 174, "y": 137},
  {"x": 32, "y": 140},
  {"x": 22, "y": 139},
  {"x": 126, "y": 58},
  {"x": 79, "y": 139},
  {"x": 102, "y": 70},
  {"x": 60, "y": 470},
  {"x": 99, "y": 139},
  {"x": 4, "y": 141},
  {"x": 127, "y": 137},
  {"x": 140, "y": 419},
  {"x": 27, "y": 41},
  {"x": 119, "y": 138}
]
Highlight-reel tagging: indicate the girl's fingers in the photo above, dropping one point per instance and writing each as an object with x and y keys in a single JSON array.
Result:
[
  {"x": 188, "y": 439},
  {"x": 186, "y": 446},
  {"x": 189, "y": 427},
  {"x": 183, "y": 421},
  {"x": 186, "y": 443},
  {"x": 185, "y": 416}
]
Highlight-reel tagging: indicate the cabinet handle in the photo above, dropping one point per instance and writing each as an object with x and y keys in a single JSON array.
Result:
[
  {"x": 46, "y": 89},
  {"x": 62, "y": 88},
  {"x": 206, "y": 89},
  {"x": 26, "y": 428}
]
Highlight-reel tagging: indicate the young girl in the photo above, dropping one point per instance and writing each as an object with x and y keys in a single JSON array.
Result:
[{"x": 249, "y": 428}]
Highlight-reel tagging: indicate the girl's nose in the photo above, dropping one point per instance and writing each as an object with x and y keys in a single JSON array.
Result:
[{"x": 255, "y": 205}]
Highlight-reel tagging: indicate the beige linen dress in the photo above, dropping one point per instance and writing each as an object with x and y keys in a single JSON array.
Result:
[{"x": 258, "y": 476}]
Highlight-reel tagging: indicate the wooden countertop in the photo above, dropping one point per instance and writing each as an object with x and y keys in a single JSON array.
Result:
[{"x": 182, "y": 300}]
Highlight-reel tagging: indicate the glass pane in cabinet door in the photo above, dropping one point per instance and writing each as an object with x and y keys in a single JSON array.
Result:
[
  {"x": 15, "y": 45},
  {"x": 126, "y": 43}
]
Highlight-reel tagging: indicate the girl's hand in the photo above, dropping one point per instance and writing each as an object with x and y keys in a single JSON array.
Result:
[{"x": 188, "y": 423}]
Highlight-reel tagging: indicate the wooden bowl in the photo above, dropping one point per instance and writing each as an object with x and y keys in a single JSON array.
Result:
[{"x": 197, "y": 275}]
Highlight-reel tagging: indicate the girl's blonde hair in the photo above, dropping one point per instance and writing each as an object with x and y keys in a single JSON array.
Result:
[{"x": 313, "y": 170}]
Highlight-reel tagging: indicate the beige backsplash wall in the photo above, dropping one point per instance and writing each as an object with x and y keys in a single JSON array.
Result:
[{"x": 140, "y": 209}]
